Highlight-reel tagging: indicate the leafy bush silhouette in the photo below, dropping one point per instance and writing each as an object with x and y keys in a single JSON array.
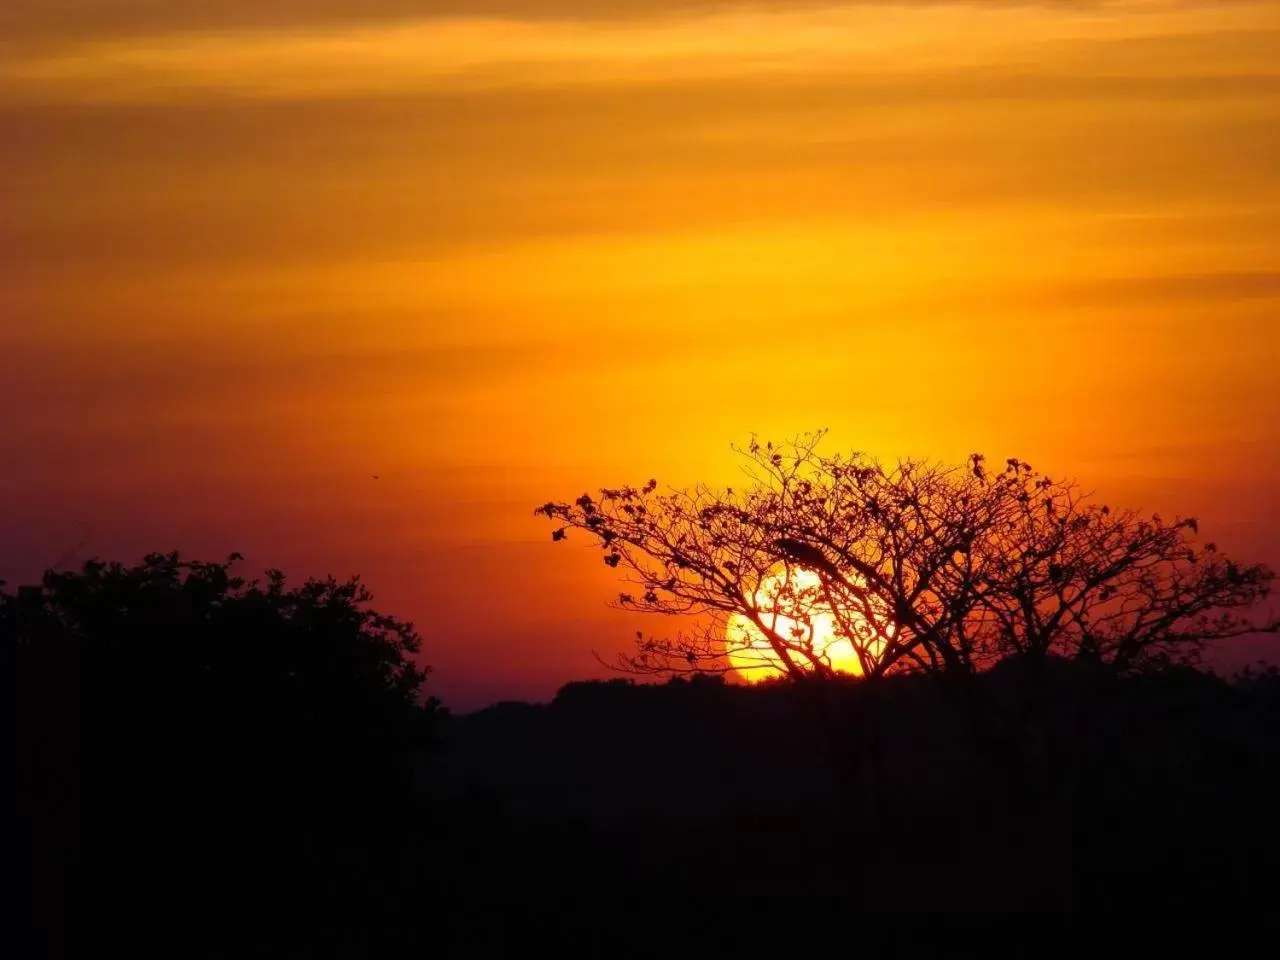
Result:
[{"x": 196, "y": 731}]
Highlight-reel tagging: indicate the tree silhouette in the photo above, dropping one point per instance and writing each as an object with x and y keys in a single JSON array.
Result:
[
  {"x": 217, "y": 733},
  {"x": 918, "y": 566}
]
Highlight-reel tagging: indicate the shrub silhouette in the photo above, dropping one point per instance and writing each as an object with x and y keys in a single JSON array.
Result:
[{"x": 198, "y": 733}]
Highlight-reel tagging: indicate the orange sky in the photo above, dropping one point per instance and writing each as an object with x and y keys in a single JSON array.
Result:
[{"x": 254, "y": 252}]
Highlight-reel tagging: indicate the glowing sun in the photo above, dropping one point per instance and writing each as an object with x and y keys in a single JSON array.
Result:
[{"x": 792, "y": 605}]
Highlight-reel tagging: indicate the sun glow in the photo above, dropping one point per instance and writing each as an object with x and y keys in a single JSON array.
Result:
[{"x": 791, "y": 603}]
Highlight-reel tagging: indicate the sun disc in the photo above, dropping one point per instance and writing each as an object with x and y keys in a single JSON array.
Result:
[{"x": 791, "y": 605}]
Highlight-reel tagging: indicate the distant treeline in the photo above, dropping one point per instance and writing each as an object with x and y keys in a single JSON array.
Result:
[{"x": 213, "y": 766}]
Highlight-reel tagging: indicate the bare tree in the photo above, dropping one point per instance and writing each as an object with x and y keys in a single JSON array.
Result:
[
  {"x": 713, "y": 555},
  {"x": 917, "y": 565},
  {"x": 912, "y": 566}
]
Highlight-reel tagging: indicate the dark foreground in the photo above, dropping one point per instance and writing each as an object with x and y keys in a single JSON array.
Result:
[{"x": 619, "y": 816}]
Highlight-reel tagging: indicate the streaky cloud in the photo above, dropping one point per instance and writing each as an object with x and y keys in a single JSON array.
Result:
[
  {"x": 712, "y": 42},
  {"x": 63, "y": 20}
]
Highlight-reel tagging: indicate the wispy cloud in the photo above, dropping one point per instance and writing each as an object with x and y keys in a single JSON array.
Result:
[
  {"x": 46, "y": 21},
  {"x": 708, "y": 41}
]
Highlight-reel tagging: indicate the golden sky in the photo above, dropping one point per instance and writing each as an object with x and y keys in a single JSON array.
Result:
[{"x": 254, "y": 252}]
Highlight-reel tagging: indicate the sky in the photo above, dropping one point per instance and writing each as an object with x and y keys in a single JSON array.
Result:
[{"x": 255, "y": 252}]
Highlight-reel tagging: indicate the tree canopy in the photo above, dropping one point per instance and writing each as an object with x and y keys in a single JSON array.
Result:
[
  {"x": 215, "y": 754},
  {"x": 186, "y": 669}
]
